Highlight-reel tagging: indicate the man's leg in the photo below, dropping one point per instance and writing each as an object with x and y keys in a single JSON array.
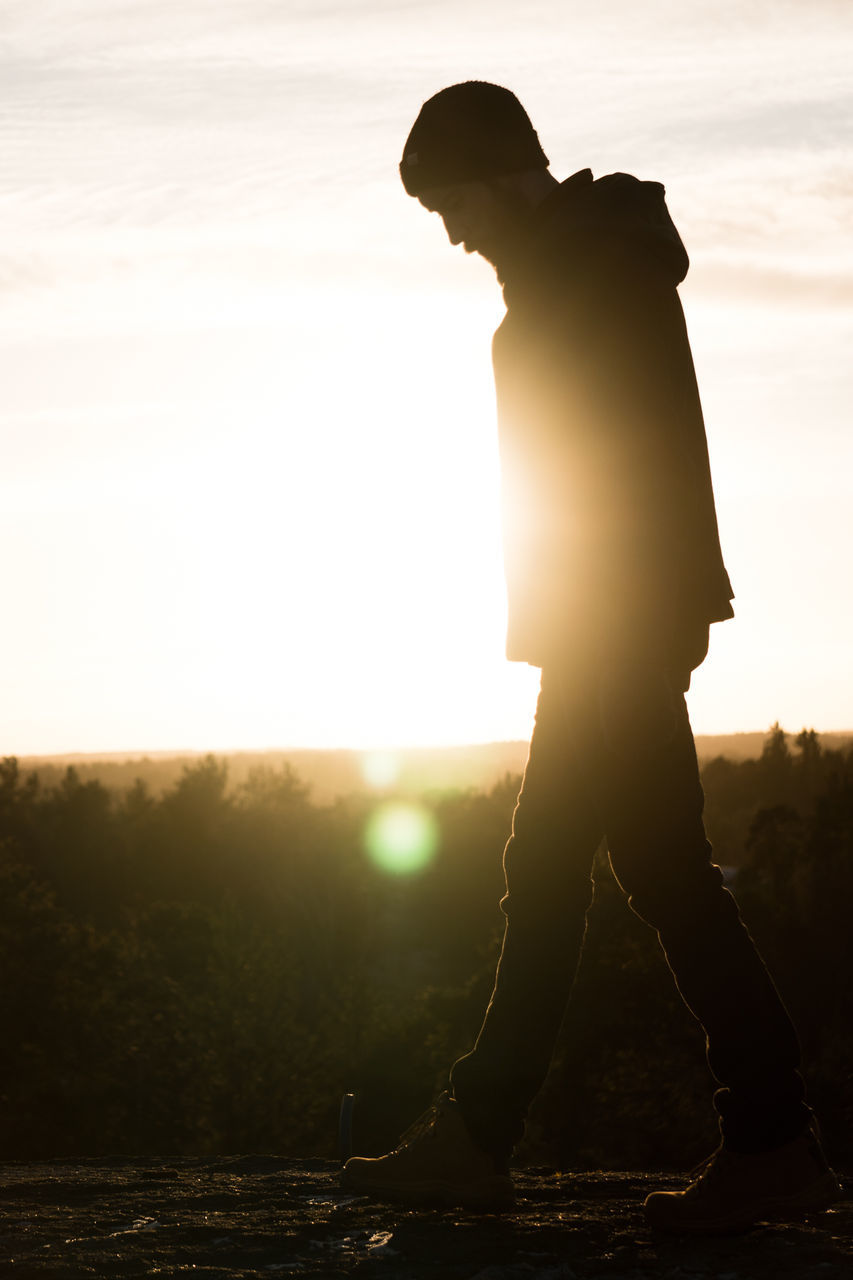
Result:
[
  {"x": 662, "y": 859},
  {"x": 547, "y": 864},
  {"x": 458, "y": 1153}
]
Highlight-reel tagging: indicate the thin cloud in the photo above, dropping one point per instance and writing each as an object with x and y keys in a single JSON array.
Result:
[{"x": 774, "y": 286}]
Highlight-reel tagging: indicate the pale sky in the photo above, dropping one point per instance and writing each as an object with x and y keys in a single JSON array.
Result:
[{"x": 250, "y": 487}]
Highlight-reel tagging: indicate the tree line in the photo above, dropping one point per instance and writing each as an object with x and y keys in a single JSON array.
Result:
[{"x": 207, "y": 970}]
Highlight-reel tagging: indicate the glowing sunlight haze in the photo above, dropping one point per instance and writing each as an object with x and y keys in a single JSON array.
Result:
[{"x": 250, "y": 495}]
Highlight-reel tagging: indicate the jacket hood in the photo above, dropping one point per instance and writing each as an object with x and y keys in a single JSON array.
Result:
[{"x": 590, "y": 214}]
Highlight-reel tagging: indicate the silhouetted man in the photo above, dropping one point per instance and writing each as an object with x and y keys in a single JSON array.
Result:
[{"x": 614, "y": 575}]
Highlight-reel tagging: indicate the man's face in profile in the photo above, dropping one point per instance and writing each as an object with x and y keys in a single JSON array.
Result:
[{"x": 484, "y": 217}]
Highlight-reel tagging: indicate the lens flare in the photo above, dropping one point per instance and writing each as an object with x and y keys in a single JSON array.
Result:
[
  {"x": 401, "y": 838},
  {"x": 380, "y": 768}
]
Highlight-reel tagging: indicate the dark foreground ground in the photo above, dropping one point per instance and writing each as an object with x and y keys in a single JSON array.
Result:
[{"x": 264, "y": 1216}]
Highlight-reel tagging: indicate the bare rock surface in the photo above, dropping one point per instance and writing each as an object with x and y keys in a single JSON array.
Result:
[{"x": 264, "y": 1216}]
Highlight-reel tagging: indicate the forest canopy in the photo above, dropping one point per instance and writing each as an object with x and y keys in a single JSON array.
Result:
[{"x": 206, "y": 970}]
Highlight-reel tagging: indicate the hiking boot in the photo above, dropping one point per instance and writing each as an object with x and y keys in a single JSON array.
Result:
[
  {"x": 732, "y": 1191},
  {"x": 437, "y": 1162}
]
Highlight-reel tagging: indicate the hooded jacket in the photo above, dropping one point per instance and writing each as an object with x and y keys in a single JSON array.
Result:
[{"x": 610, "y": 532}]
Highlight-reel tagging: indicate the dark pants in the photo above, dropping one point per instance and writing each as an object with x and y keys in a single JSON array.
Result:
[{"x": 614, "y": 757}]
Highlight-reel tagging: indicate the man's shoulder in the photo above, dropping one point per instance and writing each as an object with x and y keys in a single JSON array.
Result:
[{"x": 594, "y": 231}]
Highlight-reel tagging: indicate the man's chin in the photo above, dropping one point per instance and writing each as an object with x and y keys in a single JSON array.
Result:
[
  {"x": 489, "y": 253},
  {"x": 485, "y": 251}
]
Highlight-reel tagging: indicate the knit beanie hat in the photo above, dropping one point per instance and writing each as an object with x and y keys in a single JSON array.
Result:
[{"x": 469, "y": 132}]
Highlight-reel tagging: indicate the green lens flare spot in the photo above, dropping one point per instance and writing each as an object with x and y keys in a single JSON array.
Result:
[{"x": 401, "y": 838}]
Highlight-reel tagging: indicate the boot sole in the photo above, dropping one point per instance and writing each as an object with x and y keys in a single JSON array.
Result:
[{"x": 815, "y": 1198}]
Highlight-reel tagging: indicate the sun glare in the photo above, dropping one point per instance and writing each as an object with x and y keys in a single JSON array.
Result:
[{"x": 380, "y": 769}]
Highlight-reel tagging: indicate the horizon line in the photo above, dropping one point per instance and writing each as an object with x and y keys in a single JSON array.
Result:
[{"x": 138, "y": 753}]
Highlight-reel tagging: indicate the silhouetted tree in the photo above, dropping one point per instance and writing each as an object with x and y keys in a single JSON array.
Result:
[{"x": 207, "y": 969}]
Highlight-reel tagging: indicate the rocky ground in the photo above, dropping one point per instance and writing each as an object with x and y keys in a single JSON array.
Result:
[{"x": 260, "y": 1216}]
